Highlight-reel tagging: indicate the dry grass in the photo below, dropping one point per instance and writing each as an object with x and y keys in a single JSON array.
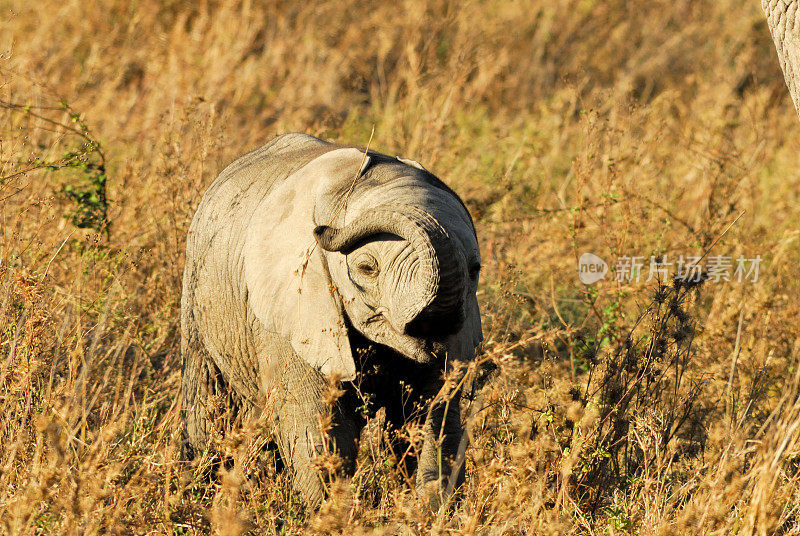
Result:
[{"x": 622, "y": 127}]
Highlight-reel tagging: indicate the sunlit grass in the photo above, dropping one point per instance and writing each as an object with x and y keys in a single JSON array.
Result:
[{"x": 616, "y": 128}]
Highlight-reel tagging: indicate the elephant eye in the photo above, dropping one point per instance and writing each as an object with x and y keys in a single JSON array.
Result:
[{"x": 367, "y": 266}]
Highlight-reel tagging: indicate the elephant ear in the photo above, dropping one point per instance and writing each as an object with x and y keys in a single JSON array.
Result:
[
  {"x": 474, "y": 322},
  {"x": 289, "y": 287},
  {"x": 462, "y": 344}
]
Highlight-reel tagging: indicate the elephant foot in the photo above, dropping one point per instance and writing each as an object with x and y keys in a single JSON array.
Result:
[
  {"x": 431, "y": 494},
  {"x": 310, "y": 485}
]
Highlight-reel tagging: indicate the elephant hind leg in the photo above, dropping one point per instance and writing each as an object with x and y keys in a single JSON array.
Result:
[{"x": 201, "y": 382}]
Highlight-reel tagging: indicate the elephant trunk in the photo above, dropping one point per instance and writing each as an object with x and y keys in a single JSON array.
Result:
[{"x": 442, "y": 276}]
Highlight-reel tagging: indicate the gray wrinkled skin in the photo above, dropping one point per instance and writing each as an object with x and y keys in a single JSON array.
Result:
[
  {"x": 783, "y": 19},
  {"x": 307, "y": 261}
]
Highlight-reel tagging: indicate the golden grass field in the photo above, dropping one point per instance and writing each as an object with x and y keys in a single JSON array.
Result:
[{"x": 616, "y": 127}]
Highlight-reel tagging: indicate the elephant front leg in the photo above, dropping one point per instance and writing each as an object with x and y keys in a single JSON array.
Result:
[
  {"x": 301, "y": 443},
  {"x": 440, "y": 470},
  {"x": 309, "y": 428}
]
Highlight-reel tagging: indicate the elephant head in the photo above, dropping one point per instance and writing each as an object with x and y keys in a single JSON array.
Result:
[
  {"x": 385, "y": 248},
  {"x": 406, "y": 281}
]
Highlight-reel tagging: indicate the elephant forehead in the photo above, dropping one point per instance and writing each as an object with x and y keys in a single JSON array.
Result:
[{"x": 412, "y": 191}]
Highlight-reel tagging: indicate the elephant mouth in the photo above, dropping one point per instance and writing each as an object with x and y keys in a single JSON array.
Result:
[{"x": 378, "y": 329}]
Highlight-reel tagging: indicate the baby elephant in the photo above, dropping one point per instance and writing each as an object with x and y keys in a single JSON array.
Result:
[{"x": 309, "y": 263}]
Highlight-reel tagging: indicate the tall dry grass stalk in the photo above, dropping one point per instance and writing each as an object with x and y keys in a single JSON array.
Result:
[{"x": 623, "y": 127}]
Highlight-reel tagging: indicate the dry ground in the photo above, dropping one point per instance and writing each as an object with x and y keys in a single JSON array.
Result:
[{"x": 617, "y": 127}]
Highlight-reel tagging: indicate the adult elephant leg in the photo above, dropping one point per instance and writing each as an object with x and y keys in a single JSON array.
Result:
[
  {"x": 442, "y": 435},
  {"x": 783, "y": 19},
  {"x": 301, "y": 415}
]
